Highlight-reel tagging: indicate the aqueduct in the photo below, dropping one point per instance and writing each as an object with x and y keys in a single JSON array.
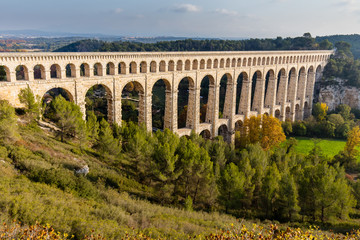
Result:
[{"x": 279, "y": 83}]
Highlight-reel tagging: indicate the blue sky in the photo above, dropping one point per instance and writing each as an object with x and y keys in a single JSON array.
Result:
[{"x": 196, "y": 18}]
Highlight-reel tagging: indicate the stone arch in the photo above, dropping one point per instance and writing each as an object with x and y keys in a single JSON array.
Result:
[
  {"x": 110, "y": 68},
  {"x": 244, "y": 62},
  {"x": 143, "y": 67},
  {"x": 318, "y": 73},
  {"x": 298, "y": 112},
  {"x": 278, "y": 114},
  {"x": 233, "y": 62},
  {"x": 287, "y": 113},
  {"x": 162, "y": 66},
  {"x": 22, "y": 73},
  {"x": 307, "y": 110},
  {"x": 55, "y": 71},
  {"x": 270, "y": 88},
  {"x": 272, "y": 61},
  {"x": 238, "y": 125},
  {"x": 205, "y": 134},
  {"x": 238, "y": 62},
  {"x": 171, "y": 66},
  {"x": 202, "y": 64},
  {"x": 179, "y": 65},
  {"x": 216, "y": 63},
  {"x": 224, "y": 132},
  {"x": 98, "y": 70},
  {"x": 153, "y": 66},
  {"x": 84, "y": 70},
  {"x": 228, "y": 62},
  {"x": 292, "y": 82},
  {"x": 254, "y": 61},
  {"x": 208, "y": 64},
  {"x": 222, "y": 63},
  {"x": 301, "y": 84},
  {"x": 99, "y": 99},
  {"x": 242, "y": 93},
  {"x": 259, "y": 61},
  {"x": 207, "y": 99},
  {"x": 291, "y": 58},
  {"x": 133, "y": 68},
  {"x": 39, "y": 72},
  {"x": 187, "y": 65},
  {"x": 121, "y": 68},
  {"x": 280, "y": 59},
  {"x": 133, "y": 102},
  {"x": 225, "y": 96},
  {"x": 281, "y": 87},
  {"x": 70, "y": 70},
  {"x": 195, "y": 64},
  {"x": 276, "y": 60},
  {"x": 256, "y": 91},
  {"x": 161, "y": 104},
  {"x": 287, "y": 60},
  {"x": 263, "y": 61},
  {"x": 4, "y": 74},
  {"x": 50, "y": 94},
  {"x": 249, "y": 62},
  {"x": 268, "y": 61},
  {"x": 186, "y": 103}
]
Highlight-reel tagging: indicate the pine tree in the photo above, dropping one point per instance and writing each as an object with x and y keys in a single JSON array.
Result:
[
  {"x": 8, "y": 122},
  {"x": 106, "y": 142},
  {"x": 92, "y": 127},
  {"x": 32, "y": 104}
]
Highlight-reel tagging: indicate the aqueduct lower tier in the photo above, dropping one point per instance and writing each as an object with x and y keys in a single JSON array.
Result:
[{"x": 279, "y": 83}]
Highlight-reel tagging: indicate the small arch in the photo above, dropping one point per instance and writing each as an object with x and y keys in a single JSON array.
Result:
[
  {"x": 4, "y": 74},
  {"x": 291, "y": 58},
  {"x": 216, "y": 63},
  {"x": 70, "y": 70},
  {"x": 278, "y": 114},
  {"x": 187, "y": 65},
  {"x": 55, "y": 71},
  {"x": 133, "y": 68},
  {"x": 39, "y": 72},
  {"x": 110, "y": 68},
  {"x": 22, "y": 73},
  {"x": 223, "y": 131},
  {"x": 263, "y": 61},
  {"x": 84, "y": 70},
  {"x": 195, "y": 64},
  {"x": 121, "y": 68},
  {"x": 288, "y": 113},
  {"x": 268, "y": 61},
  {"x": 280, "y": 60},
  {"x": 244, "y": 62},
  {"x": 208, "y": 64},
  {"x": 276, "y": 60},
  {"x": 98, "y": 71},
  {"x": 297, "y": 112},
  {"x": 239, "y": 125},
  {"x": 152, "y": 66},
  {"x": 228, "y": 62},
  {"x": 202, "y": 64},
  {"x": 238, "y": 62},
  {"x": 171, "y": 66},
  {"x": 205, "y": 134},
  {"x": 162, "y": 66},
  {"x": 179, "y": 65},
  {"x": 143, "y": 67},
  {"x": 254, "y": 61},
  {"x": 222, "y": 63},
  {"x": 233, "y": 62}
]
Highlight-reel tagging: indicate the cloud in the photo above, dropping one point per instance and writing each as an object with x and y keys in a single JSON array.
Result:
[
  {"x": 226, "y": 12},
  {"x": 186, "y": 8},
  {"x": 118, "y": 10}
]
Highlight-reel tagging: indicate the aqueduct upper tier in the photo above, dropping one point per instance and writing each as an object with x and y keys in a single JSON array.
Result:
[{"x": 280, "y": 83}]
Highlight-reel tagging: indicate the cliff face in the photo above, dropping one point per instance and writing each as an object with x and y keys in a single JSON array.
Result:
[{"x": 338, "y": 93}]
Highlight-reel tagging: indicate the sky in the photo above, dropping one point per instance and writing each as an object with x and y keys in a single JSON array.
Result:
[{"x": 196, "y": 18}]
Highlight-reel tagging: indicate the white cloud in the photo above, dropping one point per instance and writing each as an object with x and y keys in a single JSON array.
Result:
[
  {"x": 226, "y": 12},
  {"x": 186, "y": 8},
  {"x": 118, "y": 10}
]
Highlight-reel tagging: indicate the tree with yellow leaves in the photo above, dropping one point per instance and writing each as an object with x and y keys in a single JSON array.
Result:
[
  {"x": 320, "y": 111},
  {"x": 352, "y": 142},
  {"x": 264, "y": 129}
]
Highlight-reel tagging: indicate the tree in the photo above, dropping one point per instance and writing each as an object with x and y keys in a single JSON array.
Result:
[
  {"x": 320, "y": 111},
  {"x": 92, "y": 127},
  {"x": 106, "y": 142},
  {"x": 67, "y": 117},
  {"x": 344, "y": 110},
  {"x": 8, "y": 122},
  {"x": 288, "y": 197},
  {"x": 32, "y": 104},
  {"x": 270, "y": 189},
  {"x": 352, "y": 142}
]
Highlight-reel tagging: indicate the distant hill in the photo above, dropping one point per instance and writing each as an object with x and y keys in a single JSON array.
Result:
[{"x": 353, "y": 39}]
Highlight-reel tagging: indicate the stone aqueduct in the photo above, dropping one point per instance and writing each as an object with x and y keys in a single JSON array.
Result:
[{"x": 284, "y": 82}]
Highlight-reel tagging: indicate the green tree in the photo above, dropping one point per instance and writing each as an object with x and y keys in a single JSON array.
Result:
[
  {"x": 106, "y": 142},
  {"x": 320, "y": 111},
  {"x": 32, "y": 104},
  {"x": 92, "y": 127},
  {"x": 288, "y": 197},
  {"x": 344, "y": 110},
  {"x": 270, "y": 190},
  {"x": 8, "y": 122}
]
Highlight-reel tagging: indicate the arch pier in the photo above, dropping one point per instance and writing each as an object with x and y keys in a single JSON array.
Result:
[{"x": 212, "y": 91}]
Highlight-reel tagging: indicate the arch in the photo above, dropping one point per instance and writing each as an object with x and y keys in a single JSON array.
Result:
[
  {"x": 99, "y": 99},
  {"x": 263, "y": 61},
  {"x": 121, "y": 68},
  {"x": 254, "y": 61},
  {"x": 281, "y": 87},
  {"x": 143, "y": 67},
  {"x": 39, "y": 72},
  {"x": 291, "y": 58},
  {"x": 152, "y": 66},
  {"x": 268, "y": 61},
  {"x": 179, "y": 65},
  {"x": 171, "y": 66},
  {"x": 55, "y": 71},
  {"x": 207, "y": 99},
  {"x": 187, "y": 65},
  {"x": 280, "y": 60},
  {"x": 278, "y": 114},
  {"x": 98, "y": 70},
  {"x": 133, "y": 102},
  {"x": 205, "y": 134},
  {"x": 50, "y": 94},
  {"x": 162, "y": 66},
  {"x": 222, "y": 63},
  {"x": 224, "y": 132},
  {"x": 4, "y": 74},
  {"x": 270, "y": 86},
  {"x": 238, "y": 125},
  {"x": 256, "y": 91},
  {"x": 70, "y": 70},
  {"x": 233, "y": 62},
  {"x": 186, "y": 103},
  {"x": 208, "y": 64},
  {"x": 244, "y": 62},
  {"x": 216, "y": 63},
  {"x": 110, "y": 68},
  {"x": 195, "y": 64},
  {"x": 297, "y": 112},
  {"x": 22, "y": 73},
  {"x": 287, "y": 113},
  {"x": 161, "y": 104},
  {"x": 240, "y": 96},
  {"x": 272, "y": 61},
  {"x": 202, "y": 64},
  {"x": 133, "y": 68},
  {"x": 84, "y": 70},
  {"x": 228, "y": 62},
  {"x": 225, "y": 96},
  {"x": 292, "y": 81},
  {"x": 307, "y": 110},
  {"x": 238, "y": 62},
  {"x": 301, "y": 84}
]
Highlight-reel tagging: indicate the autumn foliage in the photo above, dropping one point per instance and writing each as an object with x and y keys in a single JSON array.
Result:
[{"x": 264, "y": 129}]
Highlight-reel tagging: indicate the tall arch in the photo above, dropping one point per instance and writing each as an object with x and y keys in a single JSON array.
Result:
[
  {"x": 270, "y": 89},
  {"x": 292, "y": 85},
  {"x": 281, "y": 92},
  {"x": 243, "y": 93},
  {"x": 257, "y": 92},
  {"x": 51, "y": 94},
  {"x": 186, "y": 103},
  {"x": 39, "y": 72},
  {"x": 161, "y": 104},
  {"x": 133, "y": 102},
  {"x": 99, "y": 99},
  {"x": 301, "y": 88},
  {"x": 225, "y": 96},
  {"x": 207, "y": 99}
]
